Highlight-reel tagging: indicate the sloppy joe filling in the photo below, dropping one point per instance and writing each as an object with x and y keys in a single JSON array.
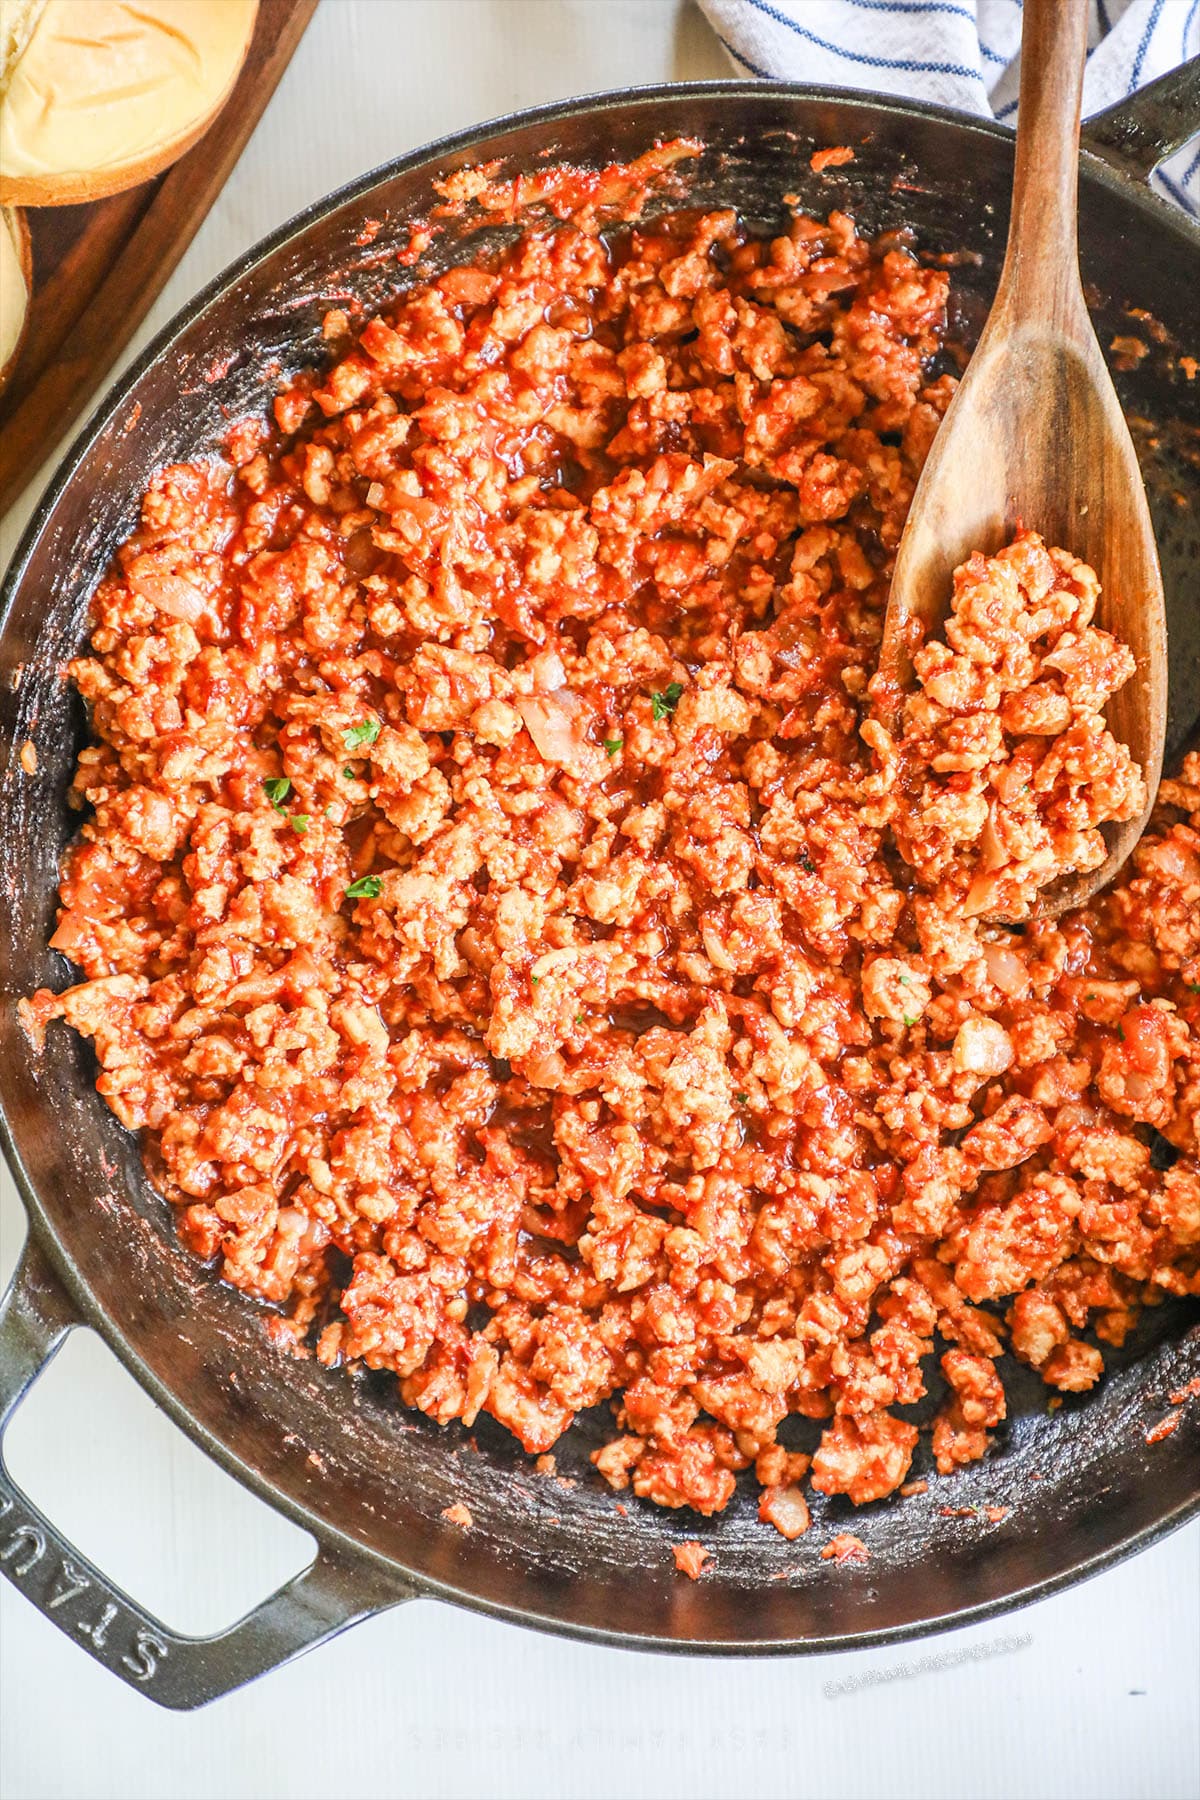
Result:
[
  {"x": 1007, "y": 768},
  {"x": 493, "y": 915}
]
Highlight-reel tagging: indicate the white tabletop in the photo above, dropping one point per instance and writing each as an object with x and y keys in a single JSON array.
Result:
[{"x": 1088, "y": 1696}]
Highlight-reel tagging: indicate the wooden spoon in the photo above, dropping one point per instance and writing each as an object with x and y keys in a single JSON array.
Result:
[{"x": 1035, "y": 436}]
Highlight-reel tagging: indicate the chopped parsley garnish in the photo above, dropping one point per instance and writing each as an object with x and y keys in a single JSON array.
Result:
[
  {"x": 366, "y": 733},
  {"x": 910, "y": 1018},
  {"x": 348, "y": 772},
  {"x": 367, "y": 887},
  {"x": 742, "y": 1099},
  {"x": 612, "y": 745},
  {"x": 806, "y": 863},
  {"x": 277, "y": 788},
  {"x": 664, "y": 704},
  {"x": 299, "y": 822}
]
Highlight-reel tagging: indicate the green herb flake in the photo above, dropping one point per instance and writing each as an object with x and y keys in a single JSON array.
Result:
[
  {"x": 612, "y": 745},
  {"x": 742, "y": 1099},
  {"x": 1193, "y": 987},
  {"x": 348, "y": 772},
  {"x": 579, "y": 1018},
  {"x": 1121, "y": 1033},
  {"x": 299, "y": 822},
  {"x": 367, "y": 887},
  {"x": 534, "y": 980},
  {"x": 910, "y": 1018},
  {"x": 277, "y": 788},
  {"x": 366, "y": 733},
  {"x": 664, "y": 704}
]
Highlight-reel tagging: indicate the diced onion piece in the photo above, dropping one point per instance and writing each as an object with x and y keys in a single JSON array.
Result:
[
  {"x": 548, "y": 672},
  {"x": 555, "y": 723},
  {"x": 1006, "y": 970},
  {"x": 786, "y": 1509},
  {"x": 1176, "y": 862},
  {"x": 171, "y": 594},
  {"x": 992, "y": 854}
]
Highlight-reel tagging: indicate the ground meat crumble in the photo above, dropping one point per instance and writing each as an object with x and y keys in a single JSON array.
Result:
[
  {"x": 489, "y": 904},
  {"x": 691, "y": 1558},
  {"x": 1005, "y": 766}
]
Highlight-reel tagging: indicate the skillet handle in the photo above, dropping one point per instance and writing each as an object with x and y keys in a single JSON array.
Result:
[
  {"x": 1141, "y": 131},
  {"x": 175, "y": 1671}
]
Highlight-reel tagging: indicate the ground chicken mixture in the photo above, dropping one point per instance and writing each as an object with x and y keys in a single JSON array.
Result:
[
  {"x": 490, "y": 904},
  {"x": 1005, "y": 765}
]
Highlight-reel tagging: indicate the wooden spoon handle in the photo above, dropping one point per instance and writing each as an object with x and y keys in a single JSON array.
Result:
[{"x": 1042, "y": 260}]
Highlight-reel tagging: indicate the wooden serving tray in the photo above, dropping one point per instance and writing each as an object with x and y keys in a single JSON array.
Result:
[{"x": 97, "y": 268}]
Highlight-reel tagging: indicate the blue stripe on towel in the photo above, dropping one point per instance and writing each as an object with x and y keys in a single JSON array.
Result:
[
  {"x": 744, "y": 61},
  {"x": 1139, "y": 59},
  {"x": 1176, "y": 192},
  {"x": 856, "y": 56},
  {"x": 915, "y": 6}
]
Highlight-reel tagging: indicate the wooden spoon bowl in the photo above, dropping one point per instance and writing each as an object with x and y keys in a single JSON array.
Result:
[{"x": 1035, "y": 436}]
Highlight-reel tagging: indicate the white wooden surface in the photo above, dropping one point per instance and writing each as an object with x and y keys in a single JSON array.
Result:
[{"x": 1089, "y": 1696}]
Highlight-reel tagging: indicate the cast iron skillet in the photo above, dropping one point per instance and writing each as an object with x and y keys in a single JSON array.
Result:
[{"x": 338, "y": 1454}]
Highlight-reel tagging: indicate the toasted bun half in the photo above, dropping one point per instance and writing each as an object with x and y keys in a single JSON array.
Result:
[
  {"x": 103, "y": 94},
  {"x": 16, "y": 287},
  {"x": 17, "y": 20}
]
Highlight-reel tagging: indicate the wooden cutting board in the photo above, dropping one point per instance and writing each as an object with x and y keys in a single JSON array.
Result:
[{"x": 98, "y": 268}]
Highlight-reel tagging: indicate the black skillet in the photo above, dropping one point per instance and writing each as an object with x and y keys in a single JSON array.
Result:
[{"x": 1082, "y": 1485}]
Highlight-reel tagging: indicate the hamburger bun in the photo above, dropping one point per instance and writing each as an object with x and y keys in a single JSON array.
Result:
[
  {"x": 98, "y": 95},
  {"x": 16, "y": 287},
  {"x": 17, "y": 21}
]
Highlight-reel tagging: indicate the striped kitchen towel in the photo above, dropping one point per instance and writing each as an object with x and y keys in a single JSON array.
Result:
[{"x": 963, "y": 53}]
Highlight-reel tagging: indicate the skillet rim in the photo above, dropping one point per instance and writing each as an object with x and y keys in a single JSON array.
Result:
[{"x": 403, "y": 1582}]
